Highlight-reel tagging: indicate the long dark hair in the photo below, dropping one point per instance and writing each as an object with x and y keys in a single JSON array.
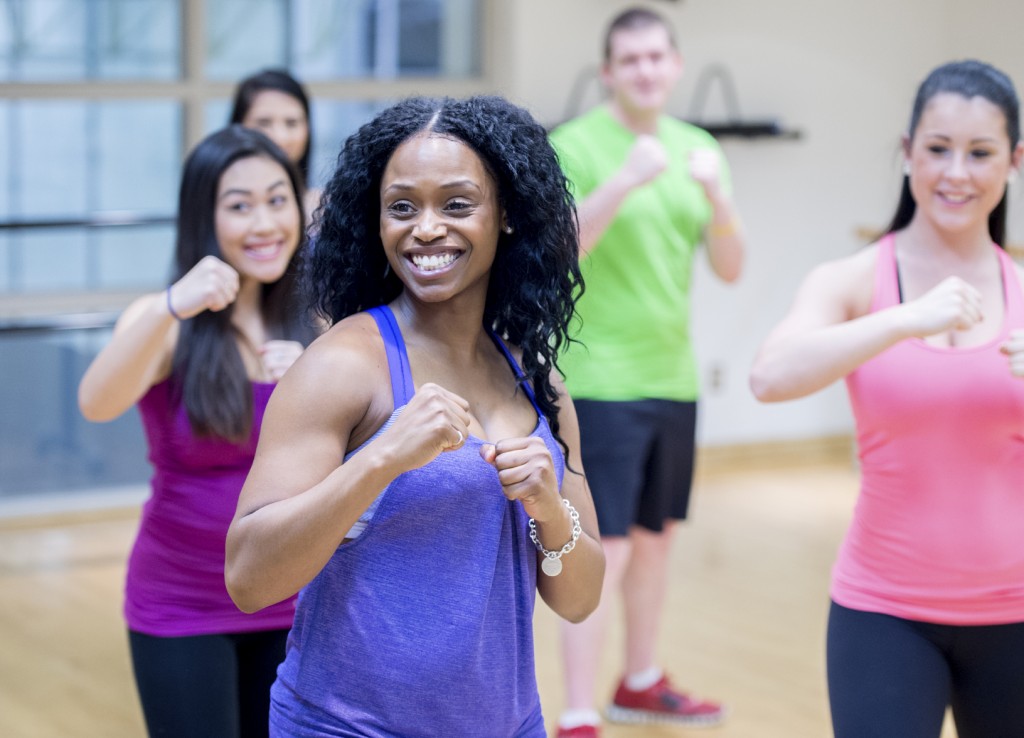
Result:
[
  {"x": 535, "y": 280},
  {"x": 968, "y": 79},
  {"x": 280, "y": 81},
  {"x": 208, "y": 369}
]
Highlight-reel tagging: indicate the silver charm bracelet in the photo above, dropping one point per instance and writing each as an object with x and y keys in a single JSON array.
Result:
[{"x": 552, "y": 565}]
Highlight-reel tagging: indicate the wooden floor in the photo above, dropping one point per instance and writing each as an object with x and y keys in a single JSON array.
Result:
[{"x": 745, "y": 619}]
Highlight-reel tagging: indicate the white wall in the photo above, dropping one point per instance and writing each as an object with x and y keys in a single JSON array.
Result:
[
  {"x": 971, "y": 36},
  {"x": 842, "y": 73}
]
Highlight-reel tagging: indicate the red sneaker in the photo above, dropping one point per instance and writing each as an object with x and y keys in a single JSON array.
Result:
[
  {"x": 661, "y": 703},
  {"x": 580, "y": 731}
]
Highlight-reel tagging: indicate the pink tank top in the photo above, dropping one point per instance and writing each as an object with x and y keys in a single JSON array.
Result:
[{"x": 938, "y": 531}]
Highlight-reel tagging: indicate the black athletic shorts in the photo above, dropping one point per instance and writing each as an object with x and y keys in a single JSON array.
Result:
[{"x": 638, "y": 458}]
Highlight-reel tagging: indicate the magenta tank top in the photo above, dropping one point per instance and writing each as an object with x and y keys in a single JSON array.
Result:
[
  {"x": 175, "y": 584},
  {"x": 938, "y": 530}
]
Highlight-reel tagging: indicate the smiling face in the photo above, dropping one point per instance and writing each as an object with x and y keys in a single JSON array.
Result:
[
  {"x": 960, "y": 157},
  {"x": 439, "y": 217},
  {"x": 257, "y": 218},
  {"x": 641, "y": 70},
  {"x": 282, "y": 118}
]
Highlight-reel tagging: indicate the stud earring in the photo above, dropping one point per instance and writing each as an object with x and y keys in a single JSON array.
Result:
[
  {"x": 906, "y": 167},
  {"x": 507, "y": 228}
]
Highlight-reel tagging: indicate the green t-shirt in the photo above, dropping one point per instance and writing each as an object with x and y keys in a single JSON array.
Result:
[{"x": 635, "y": 310}]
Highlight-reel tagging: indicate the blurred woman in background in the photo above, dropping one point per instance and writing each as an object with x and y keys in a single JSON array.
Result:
[
  {"x": 200, "y": 359},
  {"x": 927, "y": 328},
  {"x": 274, "y": 102}
]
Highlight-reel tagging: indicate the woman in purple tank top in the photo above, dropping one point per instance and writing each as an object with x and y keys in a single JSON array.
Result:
[
  {"x": 418, "y": 479},
  {"x": 201, "y": 359},
  {"x": 927, "y": 328}
]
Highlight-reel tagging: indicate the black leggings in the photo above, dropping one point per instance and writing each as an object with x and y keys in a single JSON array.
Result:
[
  {"x": 892, "y": 677},
  {"x": 209, "y": 686}
]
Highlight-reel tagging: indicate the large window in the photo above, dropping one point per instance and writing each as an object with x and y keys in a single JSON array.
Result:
[
  {"x": 66, "y": 162},
  {"x": 330, "y": 39},
  {"x": 64, "y": 40},
  {"x": 100, "y": 100}
]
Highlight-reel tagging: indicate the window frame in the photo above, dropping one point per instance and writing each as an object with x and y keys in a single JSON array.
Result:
[{"x": 193, "y": 91}]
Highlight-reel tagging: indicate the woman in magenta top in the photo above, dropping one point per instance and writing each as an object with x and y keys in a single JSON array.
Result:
[
  {"x": 201, "y": 359},
  {"x": 927, "y": 327}
]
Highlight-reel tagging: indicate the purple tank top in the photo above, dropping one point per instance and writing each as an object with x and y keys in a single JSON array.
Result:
[
  {"x": 422, "y": 626},
  {"x": 175, "y": 584}
]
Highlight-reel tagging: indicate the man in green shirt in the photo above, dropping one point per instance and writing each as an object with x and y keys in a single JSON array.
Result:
[{"x": 649, "y": 189}]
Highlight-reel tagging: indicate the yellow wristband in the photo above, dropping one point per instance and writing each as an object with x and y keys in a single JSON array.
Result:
[{"x": 721, "y": 230}]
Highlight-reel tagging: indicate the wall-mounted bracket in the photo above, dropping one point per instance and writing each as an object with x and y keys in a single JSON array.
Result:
[{"x": 734, "y": 125}]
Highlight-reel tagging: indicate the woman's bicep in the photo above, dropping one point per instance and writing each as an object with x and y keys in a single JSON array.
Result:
[
  {"x": 303, "y": 436},
  {"x": 813, "y": 346},
  {"x": 137, "y": 356},
  {"x": 832, "y": 293}
]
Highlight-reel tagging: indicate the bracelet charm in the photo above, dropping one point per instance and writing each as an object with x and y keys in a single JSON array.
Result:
[{"x": 552, "y": 564}]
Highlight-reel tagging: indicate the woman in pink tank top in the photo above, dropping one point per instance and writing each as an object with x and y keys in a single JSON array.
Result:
[
  {"x": 200, "y": 360},
  {"x": 927, "y": 329}
]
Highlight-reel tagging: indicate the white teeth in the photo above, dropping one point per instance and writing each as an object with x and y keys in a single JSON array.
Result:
[
  {"x": 263, "y": 253},
  {"x": 434, "y": 261},
  {"x": 957, "y": 198}
]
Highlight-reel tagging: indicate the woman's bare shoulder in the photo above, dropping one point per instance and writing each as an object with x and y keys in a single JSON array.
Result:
[
  {"x": 344, "y": 363},
  {"x": 846, "y": 283},
  {"x": 851, "y": 268}
]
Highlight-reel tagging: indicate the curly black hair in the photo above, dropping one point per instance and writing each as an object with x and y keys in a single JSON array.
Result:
[{"x": 535, "y": 279}]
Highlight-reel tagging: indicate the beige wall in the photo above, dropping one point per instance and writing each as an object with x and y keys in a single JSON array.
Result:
[
  {"x": 843, "y": 74},
  {"x": 971, "y": 35}
]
